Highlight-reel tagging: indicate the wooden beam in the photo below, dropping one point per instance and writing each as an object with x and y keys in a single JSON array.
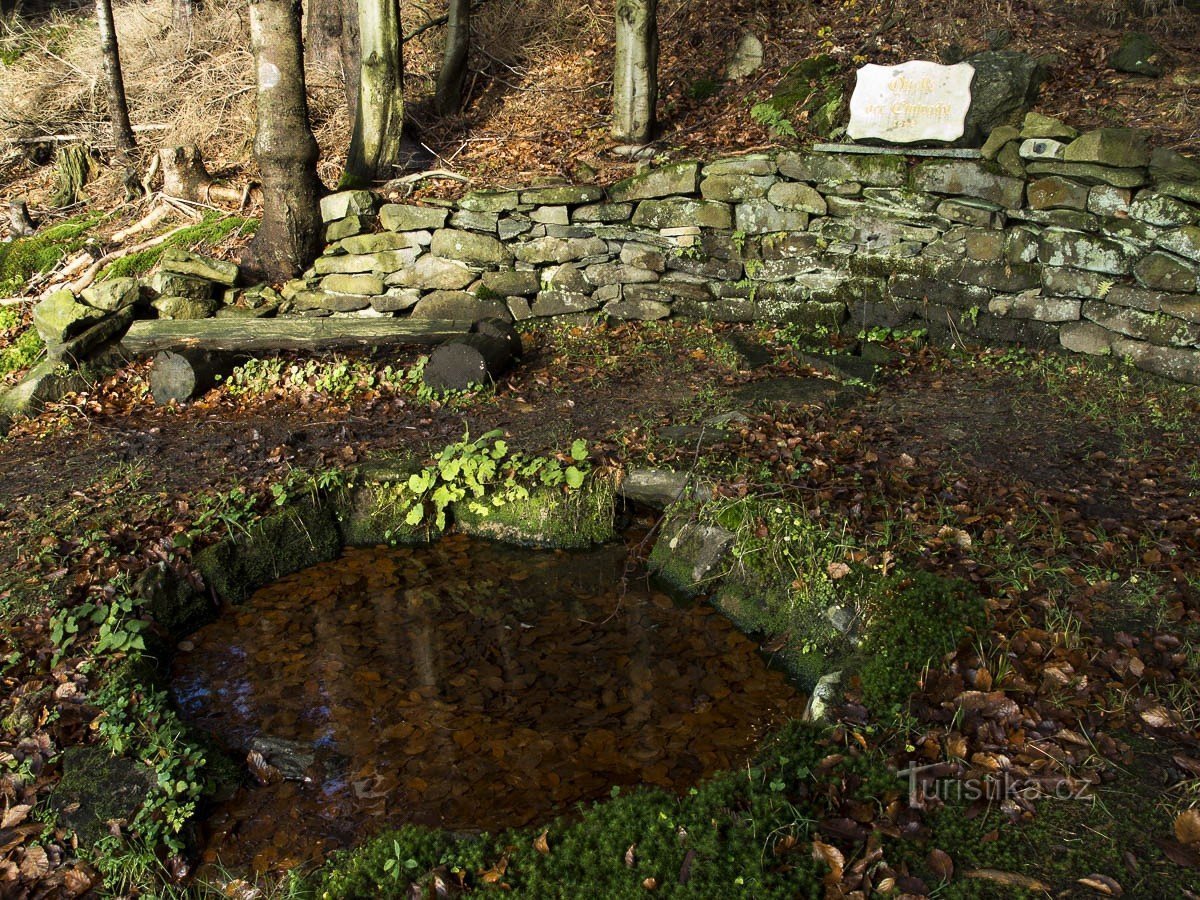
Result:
[{"x": 251, "y": 335}]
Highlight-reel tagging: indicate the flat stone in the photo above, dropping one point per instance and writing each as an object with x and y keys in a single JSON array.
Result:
[
  {"x": 1041, "y": 148},
  {"x": 1086, "y": 337},
  {"x": 656, "y": 488},
  {"x": 458, "y": 306},
  {"x": 327, "y": 302},
  {"x": 470, "y": 248},
  {"x": 490, "y": 201},
  {"x": 469, "y": 220},
  {"x": 1055, "y": 192},
  {"x": 1123, "y": 148},
  {"x": 1171, "y": 165},
  {"x": 1158, "y": 209},
  {"x": 689, "y": 556},
  {"x": 512, "y": 283},
  {"x": 1075, "y": 282},
  {"x": 117, "y": 293},
  {"x": 1166, "y": 272},
  {"x": 667, "y": 292},
  {"x": 1090, "y": 173},
  {"x": 1186, "y": 308},
  {"x": 644, "y": 257},
  {"x": 540, "y": 251},
  {"x": 376, "y": 243},
  {"x": 344, "y": 228},
  {"x": 219, "y": 270},
  {"x": 1165, "y": 331},
  {"x": 1175, "y": 364},
  {"x": 914, "y": 101},
  {"x": 640, "y": 310},
  {"x": 680, "y": 212},
  {"x": 436, "y": 274},
  {"x": 998, "y": 139},
  {"x": 184, "y": 307},
  {"x": 1106, "y": 200},
  {"x": 1135, "y": 297},
  {"x": 1037, "y": 125},
  {"x": 551, "y": 215},
  {"x": 384, "y": 263},
  {"x": 1061, "y": 247},
  {"x": 60, "y": 317},
  {"x": 970, "y": 179},
  {"x": 48, "y": 381},
  {"x": 558, "y": 303},
  {"x": 352, "y": 284},
  {"x": 96, "y": 788},
  {"x": 873, "y": 170},
  {"x": 563, "y": 195},
  {"x": 763, "y": 217},
  {"x": 799, "y": 197},
  {"x": 971, "y": 212},
  {"x": 618, "y": 273},
  {"x": 1032, "y": 305},
  {"x": 681, "y": 178},
  {"x": 937, "y": 290},
  {"x": 513, "y": 226},
  {"x": 735, "y": 188},
  {"x": 409, "y": 217},
  {"x": 1184, "y": 242},
  {"x": 1181, "y": 190},
  {"x": 603, "y": 213},
  {"x": 346, "y": 203},
  {"x": 396, "y": 300}
]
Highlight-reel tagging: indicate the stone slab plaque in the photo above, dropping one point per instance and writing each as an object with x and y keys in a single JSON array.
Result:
[{"x": 914, "y": 101}]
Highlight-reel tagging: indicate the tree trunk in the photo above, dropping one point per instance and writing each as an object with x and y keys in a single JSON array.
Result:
[
  {"x": 468, "y": 360},
  {"x": 351, "y": 55},
  {"x": 290, "y": 235},
  {"x": 448, "y": 98},
  {"x": 286, "y": 333},
  {"x": 118, "y": 108},
  {"x": 185, "y": 177},
  {"x": 19, "y": 223},
  {"x": 635, "y": 77},
  {"x": 375, "y": 146},
  {"x": 182, "y": 14}
]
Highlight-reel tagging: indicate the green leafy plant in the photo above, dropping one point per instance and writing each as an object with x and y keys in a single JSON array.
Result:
[
  {"x": 769, "y": 114},
  {"x": 486, "y": 474}
]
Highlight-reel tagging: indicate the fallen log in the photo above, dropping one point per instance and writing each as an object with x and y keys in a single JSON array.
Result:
[
  {"x": 463, "y": 362},
  {"x": 285, "y": 333},
  {"x": 184, "y": 374}
]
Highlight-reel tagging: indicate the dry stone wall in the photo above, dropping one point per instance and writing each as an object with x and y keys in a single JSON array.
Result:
[{"x": 1051, "y": 239}]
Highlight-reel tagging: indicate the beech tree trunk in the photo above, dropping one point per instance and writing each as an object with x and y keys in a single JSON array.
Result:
[
  {"x": 186, "y": 177},
  {"x": 290, "y": 235},
  {"x": 375, "y": 146},
  {"x": 118, "y": 108},
  {"x": 448, "y": 98},
  {"x": 635, "y": 77}
]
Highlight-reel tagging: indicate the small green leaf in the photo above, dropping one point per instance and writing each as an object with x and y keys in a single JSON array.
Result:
[
  {"x": 415, "y": 515},
  {"x": 579, "y": 450},
  {"x": 574, "y": 477}
]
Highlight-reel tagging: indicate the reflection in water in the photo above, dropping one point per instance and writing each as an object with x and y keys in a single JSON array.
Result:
[{"x": 469, "y": 686}]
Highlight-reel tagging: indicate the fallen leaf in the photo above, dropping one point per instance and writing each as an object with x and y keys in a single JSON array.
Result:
[
  {"x": 650, "y": 883},
  {"x": 1156, "y": 716},
  {"x": 941, "y": 864},
  {"x": 838, "y": 570},
  {"x": 631, "y": 856},
  {"x": 1102, "y": 884},
  {"x": 832, "y": 857},
  {"x": 35, "y": 864},
  {"x": 1013, "y": 879},
  {"x": 541, "y": 844},
  {"x": 15, "y": 815},
  {"x": 1187, "y": 826}
]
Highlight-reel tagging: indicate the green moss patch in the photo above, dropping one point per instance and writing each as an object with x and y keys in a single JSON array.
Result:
[
  {"x": 295, "y": 538},
  {"x": 207, "y": 233},
  {"x": 23, "y": 258},
  {"x": 550, "y": 517}
]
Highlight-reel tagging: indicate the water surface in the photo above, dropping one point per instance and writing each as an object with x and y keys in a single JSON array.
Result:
[{"x": 469, "y": 686}]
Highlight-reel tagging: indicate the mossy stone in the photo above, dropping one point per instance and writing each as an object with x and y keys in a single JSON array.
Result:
[
  {"x": 96, "y": 788},
  {"x": 550, "y": 518},
  {"x": 301, "y": 535}
]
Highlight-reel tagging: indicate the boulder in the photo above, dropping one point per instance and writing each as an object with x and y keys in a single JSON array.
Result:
[
  {"x": 1122, "y": 148},
  {"x": 469, "y": 247},
  {"x": 96, "y": 788},
  {"x": 60, "y": 317},
  {"x": 458, "y": 306},
  {"x": 114, "y": 294},
  {"x": 346, "y": 203},
  {"x": 1139, "y": 54},
  {"x": 1038, "y": 126},
  {"x": 172, "y": 284},
  {"x": 408, "y": 217},
  {"x": 747, "y": 58},
  {"x": 681, "y": 178},
  {"x": 1005, "y": 86},
  {"x": 1086, "y": 337}
]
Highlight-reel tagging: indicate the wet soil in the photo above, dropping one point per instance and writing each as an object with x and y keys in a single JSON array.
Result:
[{"x": 467, "y": 686}]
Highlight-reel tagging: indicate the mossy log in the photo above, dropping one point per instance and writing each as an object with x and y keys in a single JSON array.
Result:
[
  {"x": 466, "y": 361},
  {"x": 252, "y": 335}
]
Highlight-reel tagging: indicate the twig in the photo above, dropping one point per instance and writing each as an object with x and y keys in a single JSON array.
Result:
[
  {"x": 90, "y": 275},
  {"x": 151, "y": 219}
]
